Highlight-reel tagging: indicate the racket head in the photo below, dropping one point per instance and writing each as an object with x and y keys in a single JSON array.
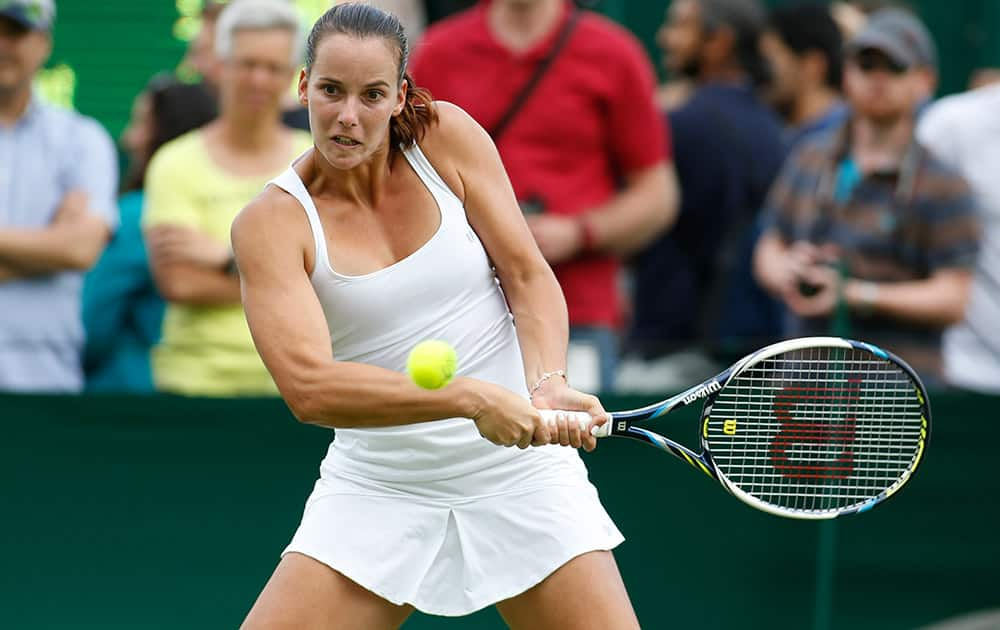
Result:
[{"x": 817, "y": 427}]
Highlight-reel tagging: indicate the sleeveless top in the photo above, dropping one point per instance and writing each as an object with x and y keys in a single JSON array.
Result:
[{"x": 445, "y": 290}]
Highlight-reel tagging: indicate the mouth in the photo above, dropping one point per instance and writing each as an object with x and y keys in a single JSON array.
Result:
[{"x": 345, "y": 141}]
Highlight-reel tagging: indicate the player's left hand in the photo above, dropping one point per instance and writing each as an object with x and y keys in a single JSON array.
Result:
[
  {"x": 559, "y": 238},
  {"x": 556, "y": 394}
]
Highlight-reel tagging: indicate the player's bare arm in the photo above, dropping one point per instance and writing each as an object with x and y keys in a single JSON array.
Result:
[
  {"x": 469, "y": 162},
  {"x": 273, "y": 245}
]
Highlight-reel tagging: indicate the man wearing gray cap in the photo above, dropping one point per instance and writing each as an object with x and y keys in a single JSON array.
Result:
[
  {"x": 866, "y": 217},
  {"x": 58, "y": 179},
  {"x": 904, "y": 38}
]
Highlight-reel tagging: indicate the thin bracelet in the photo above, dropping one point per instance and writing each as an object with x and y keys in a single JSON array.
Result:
[{"x": 546, "y": 376}]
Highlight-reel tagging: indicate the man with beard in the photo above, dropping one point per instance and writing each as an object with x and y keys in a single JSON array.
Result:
[
  {"x": 58, "y": 174},
  {"x": 802, "y": 46},
  {"x": 727, "y": 149},
  {"x": 867, "y": 218}
]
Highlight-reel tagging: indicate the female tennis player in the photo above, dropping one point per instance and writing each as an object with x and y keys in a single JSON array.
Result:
[{"x": 396, "y": 227}]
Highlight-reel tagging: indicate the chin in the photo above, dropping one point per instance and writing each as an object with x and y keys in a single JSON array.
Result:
[{"x": 343, "y": 162}]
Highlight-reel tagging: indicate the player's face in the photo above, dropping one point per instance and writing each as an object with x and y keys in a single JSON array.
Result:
[
  {"x": 352, "y": 91},
  {"x": 22, "y": 53},
  {"x": 785, "y": 75},
  {"x": 879, "y": 89},
  {"x": 680, "y": 38},
  {"x": 257, "y": 72}
]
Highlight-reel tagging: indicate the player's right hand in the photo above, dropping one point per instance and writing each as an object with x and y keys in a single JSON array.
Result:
[{"x": 507, "y": 419}]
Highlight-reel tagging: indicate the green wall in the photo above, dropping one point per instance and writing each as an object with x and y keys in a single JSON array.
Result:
[{"x": 162, "y": 512}]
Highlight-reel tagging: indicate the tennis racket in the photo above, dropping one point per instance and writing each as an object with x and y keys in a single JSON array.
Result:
[{"x": 810, "y": 428}]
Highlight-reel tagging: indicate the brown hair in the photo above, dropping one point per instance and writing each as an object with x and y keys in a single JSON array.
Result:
[{"x": 363, "y": 20}]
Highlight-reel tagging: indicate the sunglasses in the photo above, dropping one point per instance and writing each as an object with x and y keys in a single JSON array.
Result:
[{"x": 872, "y": 60}]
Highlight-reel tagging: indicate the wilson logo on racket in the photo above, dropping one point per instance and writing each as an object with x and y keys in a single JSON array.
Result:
[
  {"x": 701, "y": 392},
  {"x": 729, "y": 427},
  {"x": 825, "y": 438}
]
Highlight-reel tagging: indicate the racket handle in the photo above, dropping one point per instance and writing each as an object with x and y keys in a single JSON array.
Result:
[{"x": 551, "y": 415}]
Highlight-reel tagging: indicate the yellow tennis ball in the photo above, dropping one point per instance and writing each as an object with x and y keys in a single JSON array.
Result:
[{"x": 432, "y": 364}]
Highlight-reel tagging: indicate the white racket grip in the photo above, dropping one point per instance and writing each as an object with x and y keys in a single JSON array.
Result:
[{"x": 552, "y": 415}]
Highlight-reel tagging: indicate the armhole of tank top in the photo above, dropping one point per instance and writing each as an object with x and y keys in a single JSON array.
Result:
[
  {"x": 290, "y": 182},
  {"x": 426, "y": 171}
]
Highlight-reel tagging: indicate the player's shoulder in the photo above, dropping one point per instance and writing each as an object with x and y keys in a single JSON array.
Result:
[
  {"x": 453, "y": 143},
  {"x": 454, "y": 133},
  {"x": 268, "y": 212},
  {"x": 273, "y": 221}
]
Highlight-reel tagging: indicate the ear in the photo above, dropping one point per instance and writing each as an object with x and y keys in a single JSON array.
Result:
[
  {"x": 303, "y": 88},
  {"x": 404, "y": 88}
]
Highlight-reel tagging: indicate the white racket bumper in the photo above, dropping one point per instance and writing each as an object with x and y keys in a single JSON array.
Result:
[{"x": 551, "y": 416}]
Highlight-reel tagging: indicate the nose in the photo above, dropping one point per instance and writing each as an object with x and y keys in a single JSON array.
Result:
[{"x": 348, "y": 115}]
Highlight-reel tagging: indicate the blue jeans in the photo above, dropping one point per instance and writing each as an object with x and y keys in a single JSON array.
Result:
[{"x": 605, "y": 344}]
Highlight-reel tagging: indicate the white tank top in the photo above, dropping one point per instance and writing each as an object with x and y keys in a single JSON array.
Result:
[{"x": 445, "y": 290}]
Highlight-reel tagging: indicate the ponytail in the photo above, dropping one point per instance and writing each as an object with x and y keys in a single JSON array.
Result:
[{"x": 418, "y": 114}]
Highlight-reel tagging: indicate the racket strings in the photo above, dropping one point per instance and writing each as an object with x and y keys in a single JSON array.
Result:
[{"x": 818, "y": 429}]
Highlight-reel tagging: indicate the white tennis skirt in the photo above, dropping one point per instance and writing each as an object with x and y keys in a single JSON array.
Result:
[{"x": 448, "y": 551}]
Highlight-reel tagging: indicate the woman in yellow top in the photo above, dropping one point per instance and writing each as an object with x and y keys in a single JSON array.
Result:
[{"x": 197, "y": 184}]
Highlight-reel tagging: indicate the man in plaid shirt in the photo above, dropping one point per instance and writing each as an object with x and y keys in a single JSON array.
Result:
[{"x": 866, "y": 217}]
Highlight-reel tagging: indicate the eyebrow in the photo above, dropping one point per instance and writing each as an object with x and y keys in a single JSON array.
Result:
[{"x": 379, "y": 83}]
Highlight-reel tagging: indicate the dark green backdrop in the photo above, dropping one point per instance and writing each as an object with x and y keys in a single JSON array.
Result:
[{"x": 166, "y": 512}]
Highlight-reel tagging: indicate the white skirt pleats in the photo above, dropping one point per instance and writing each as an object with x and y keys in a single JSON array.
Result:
[{"x": 454, "y": 546}]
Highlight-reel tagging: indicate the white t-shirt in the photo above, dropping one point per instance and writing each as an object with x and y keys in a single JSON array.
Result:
[{"x": 964, "y": 131}]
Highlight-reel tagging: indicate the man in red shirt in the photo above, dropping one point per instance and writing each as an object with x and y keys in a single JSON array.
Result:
[{"x": 587, "y": 152}]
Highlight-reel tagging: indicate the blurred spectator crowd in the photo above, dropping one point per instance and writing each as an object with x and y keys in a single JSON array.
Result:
[{"x": 796, "y": 175}]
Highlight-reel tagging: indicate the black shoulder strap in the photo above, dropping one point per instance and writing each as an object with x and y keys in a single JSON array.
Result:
[{"x": 543, "y": 66}]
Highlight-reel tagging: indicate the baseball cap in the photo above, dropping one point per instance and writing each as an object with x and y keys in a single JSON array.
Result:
[
  {"x": 36, "y": 15},
  {"x": 900, "y": 35}
]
